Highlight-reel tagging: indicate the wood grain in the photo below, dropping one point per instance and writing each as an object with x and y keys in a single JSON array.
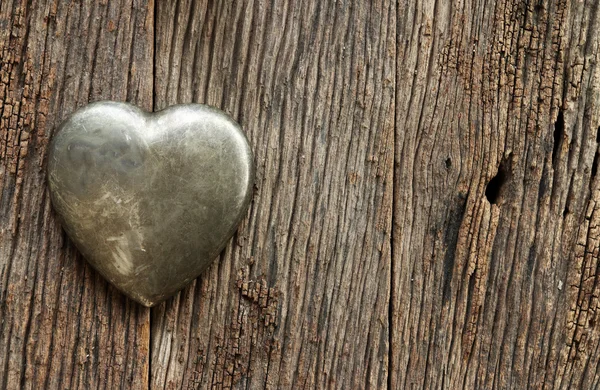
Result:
[
  {"x": 300, "y": 298},
  {"x": 495, "y": 286},
  {"x": 61, "y": 326},
  {"x": 425, "y": 212}
]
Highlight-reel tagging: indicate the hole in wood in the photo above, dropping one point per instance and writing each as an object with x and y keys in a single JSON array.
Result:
[
  {"x": 559, "y": 130},
  {"x": 492, "y": 191},
  {"x": 595, "y": 163}
]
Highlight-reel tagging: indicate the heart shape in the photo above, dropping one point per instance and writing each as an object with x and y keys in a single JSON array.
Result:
[{"x": 150, "y": 199}]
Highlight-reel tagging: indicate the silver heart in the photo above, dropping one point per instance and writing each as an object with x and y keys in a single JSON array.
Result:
[{"x": 150, "y": 199}]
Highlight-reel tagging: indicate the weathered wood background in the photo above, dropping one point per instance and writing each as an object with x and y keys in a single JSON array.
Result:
[{"x": 426, "y": 212}]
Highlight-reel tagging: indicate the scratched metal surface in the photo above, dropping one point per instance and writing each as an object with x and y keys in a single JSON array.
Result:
[{"x": 150, "y": 199}]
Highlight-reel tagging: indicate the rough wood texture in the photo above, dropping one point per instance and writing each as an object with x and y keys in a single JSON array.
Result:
[
  {"x": 425, "y": 213},
  {"x": 61, "y": 326},
  {"x": 496, "y": 290},
  {"x": 300, "y": 298}
]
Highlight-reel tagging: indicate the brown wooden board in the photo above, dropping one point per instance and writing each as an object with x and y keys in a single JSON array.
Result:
[
  {"x": 300, "y": 297},
  {"x": 495, "y": 275},
  {"x": 61, "y": 326},
  {"x": 425, "y": 211}
]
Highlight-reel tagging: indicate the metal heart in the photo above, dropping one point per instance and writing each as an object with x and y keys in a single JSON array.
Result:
[{"x": 150, "y": 199}]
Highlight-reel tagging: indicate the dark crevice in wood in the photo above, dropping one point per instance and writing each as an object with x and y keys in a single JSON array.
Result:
[
  {"x": 596, "y": 156},
  {"x": 531, "y": 259},
  {"x": 393, "y": 232},
  {"x": 171, "y": 66},
  {"x": 559, "y": 131},
  {"x": 494, "y": 187},
  {"x": 95, "y": 56},
  {"x": 154, "y": 50}
]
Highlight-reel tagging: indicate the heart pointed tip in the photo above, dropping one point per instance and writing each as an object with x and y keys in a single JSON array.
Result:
[{"x": 146, "y": 302}]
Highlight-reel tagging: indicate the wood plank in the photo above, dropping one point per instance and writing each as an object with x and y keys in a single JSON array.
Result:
[
  {"x": 493, "y": 277},
  {"x": 61, "y": 326},
  {"x": 300, "y": 297},
  {"x": 496, "y": 290}
]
